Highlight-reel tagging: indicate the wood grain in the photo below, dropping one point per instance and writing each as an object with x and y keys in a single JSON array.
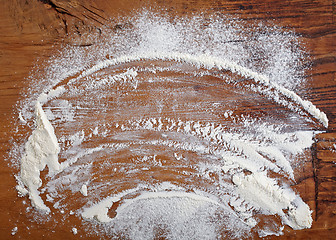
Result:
[{"x": 30, "y": 29}]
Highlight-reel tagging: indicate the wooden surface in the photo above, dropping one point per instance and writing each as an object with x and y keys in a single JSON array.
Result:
[{"x": 29, "y": 29}]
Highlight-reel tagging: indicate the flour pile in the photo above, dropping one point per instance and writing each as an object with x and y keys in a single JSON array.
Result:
[{"x": 167, "y": 128}]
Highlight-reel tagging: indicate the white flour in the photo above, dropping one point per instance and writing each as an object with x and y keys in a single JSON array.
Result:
[
  {"x": 163, "y": 153},
  {"x": 41, "y": 150},
  {"x": 74, "y": 231},
  {"x": 84, "y": 190}
]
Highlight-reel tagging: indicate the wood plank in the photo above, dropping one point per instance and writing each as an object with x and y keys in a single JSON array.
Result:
[{"x": 29, "y": 29}]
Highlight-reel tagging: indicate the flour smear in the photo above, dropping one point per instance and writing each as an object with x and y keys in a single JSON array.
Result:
[{"x": 176, "y": 128}]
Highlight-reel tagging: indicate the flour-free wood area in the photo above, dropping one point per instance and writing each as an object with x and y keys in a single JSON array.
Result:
[{"x": 31, "y": 30}]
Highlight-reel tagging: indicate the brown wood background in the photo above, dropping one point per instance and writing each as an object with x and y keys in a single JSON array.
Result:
[{"x": 29, "y": 29}]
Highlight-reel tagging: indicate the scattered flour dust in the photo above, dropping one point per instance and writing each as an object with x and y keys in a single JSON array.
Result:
[
  {"x": 74, "y": 231},
  {"x": 218, "y": 163},
  {"x": 14, "y": 230},
  {"x": 84, "y": 190},
  {"x": 334, "y": 148}
]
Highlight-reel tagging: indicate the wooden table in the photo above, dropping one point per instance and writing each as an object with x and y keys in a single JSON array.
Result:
[{"x": 29, "y": 29}]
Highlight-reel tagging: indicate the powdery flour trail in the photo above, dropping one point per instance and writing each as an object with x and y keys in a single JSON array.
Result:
[{"x": 152, "y": 141}]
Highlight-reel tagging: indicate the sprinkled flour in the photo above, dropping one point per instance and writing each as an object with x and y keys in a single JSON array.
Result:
[{"x": 170, "y": 125}]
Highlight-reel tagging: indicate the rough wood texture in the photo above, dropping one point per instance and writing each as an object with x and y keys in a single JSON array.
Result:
[{"x": 28, "y": 29}]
